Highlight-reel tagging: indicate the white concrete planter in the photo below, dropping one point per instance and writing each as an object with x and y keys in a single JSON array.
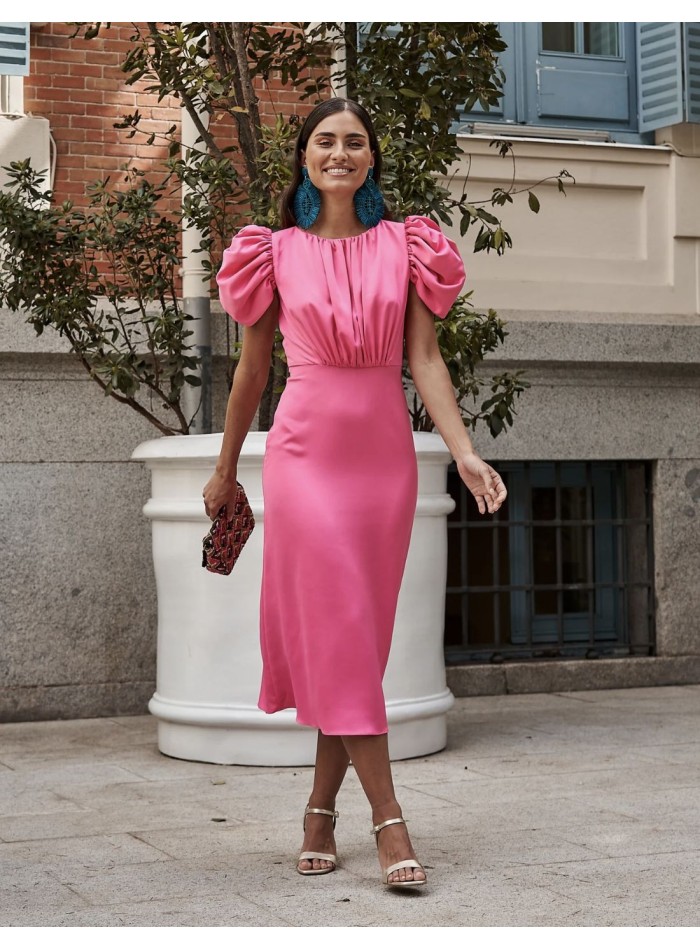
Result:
[{"x": 209, "y": 665}]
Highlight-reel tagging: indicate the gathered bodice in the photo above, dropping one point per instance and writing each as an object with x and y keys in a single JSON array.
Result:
[{"x": 342, "y": 301}]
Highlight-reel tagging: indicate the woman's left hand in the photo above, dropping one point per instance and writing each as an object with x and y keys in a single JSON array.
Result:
[{"x": 484, "y": 482}]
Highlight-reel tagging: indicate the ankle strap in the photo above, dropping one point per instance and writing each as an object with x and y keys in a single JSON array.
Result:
[
  {"x": 319, "y": 811},
  {"x": 390, "y": 821}
]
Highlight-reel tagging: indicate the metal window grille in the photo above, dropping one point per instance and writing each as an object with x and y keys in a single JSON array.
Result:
[{"x": 563, "y": 569}]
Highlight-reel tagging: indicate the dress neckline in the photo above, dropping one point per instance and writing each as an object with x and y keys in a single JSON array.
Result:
[{"x": 350, "y": 237}]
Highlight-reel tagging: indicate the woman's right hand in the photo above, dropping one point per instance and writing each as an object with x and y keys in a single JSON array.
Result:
[
  {"x": 220, "y": 490},
  {"x": 483, "y": 481}
]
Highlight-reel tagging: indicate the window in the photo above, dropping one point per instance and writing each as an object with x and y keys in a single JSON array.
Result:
[
  {"x": 587, "y": 39},
  {"x": 569, "y": 76},
  {"x": 563, "y": 569},
  {"x": 616, "y": 81},
  {"x": 14, "y": 65}
]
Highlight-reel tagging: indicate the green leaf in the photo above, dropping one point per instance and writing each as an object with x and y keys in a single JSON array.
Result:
[
  {"x": 533, "y": 202},
  {"x": 487, "y": 216}
]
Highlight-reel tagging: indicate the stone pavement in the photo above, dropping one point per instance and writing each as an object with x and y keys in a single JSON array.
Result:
[{"x": 567, "y": 809}]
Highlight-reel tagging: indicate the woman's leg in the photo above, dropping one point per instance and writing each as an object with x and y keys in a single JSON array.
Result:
[
  {"x": 370, "y": 757},
  {"x": 332, "y": 762}
]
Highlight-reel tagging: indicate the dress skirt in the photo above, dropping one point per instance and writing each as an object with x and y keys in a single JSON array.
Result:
[{"x": 340, "y": 487}]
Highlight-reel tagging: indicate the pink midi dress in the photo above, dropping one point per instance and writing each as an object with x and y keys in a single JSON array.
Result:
[{"x": 339, "y": 472}]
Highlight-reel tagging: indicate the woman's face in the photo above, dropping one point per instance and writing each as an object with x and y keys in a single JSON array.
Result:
[{"x": 338, "y": 154}]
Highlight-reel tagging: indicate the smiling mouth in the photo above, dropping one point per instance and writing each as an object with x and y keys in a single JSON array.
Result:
[{"x": 338, "y": 172}]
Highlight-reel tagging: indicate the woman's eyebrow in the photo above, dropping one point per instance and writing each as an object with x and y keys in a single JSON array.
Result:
[{"x": 332, "y": 135}]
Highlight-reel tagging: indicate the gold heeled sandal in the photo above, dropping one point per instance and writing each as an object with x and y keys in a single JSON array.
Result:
[
  {"x": 408, "y": 863},
  {"x": 310, "y": 855}
]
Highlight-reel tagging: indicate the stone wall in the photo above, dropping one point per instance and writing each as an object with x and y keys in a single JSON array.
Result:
[
  {"x": 602, "y": 389},
  {"x": 78, "y": 614}
]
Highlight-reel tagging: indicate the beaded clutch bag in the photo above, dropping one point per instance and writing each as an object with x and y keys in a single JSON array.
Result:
[{"x": 228, "y": 534}]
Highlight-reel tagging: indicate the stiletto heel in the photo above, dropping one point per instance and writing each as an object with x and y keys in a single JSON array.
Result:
[
  {"x": 310, "y": 855},
  {"x": 408, "y": 863}
]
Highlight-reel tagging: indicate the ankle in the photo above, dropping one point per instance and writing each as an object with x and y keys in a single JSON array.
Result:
[
  {"x": 318, "y": 801},
  {"x": 385, "y": 810}
]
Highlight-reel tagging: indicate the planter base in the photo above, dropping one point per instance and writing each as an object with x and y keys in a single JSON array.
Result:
[{"x": 226, "y": 735}]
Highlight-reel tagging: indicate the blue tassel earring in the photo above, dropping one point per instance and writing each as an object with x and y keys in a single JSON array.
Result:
[
  {"x": 307, "y": 201},
  {"x": 368, "y": 201}
]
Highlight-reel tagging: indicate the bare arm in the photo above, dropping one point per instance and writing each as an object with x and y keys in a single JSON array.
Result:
[
  {"x": 434, "y": 386},
  {"x": 249, "y": 382}
]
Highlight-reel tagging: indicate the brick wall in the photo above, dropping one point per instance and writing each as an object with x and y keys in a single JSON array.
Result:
[{"x": 79, "y": 87}]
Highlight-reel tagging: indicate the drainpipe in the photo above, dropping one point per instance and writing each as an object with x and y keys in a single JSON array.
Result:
[{"x": 196, "y": 300}]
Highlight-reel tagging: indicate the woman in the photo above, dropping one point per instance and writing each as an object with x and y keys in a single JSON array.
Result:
[{"x": 348, "y": 287}]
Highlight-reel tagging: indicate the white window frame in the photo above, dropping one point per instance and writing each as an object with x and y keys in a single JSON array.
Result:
[{"x": 11, "y": 95}]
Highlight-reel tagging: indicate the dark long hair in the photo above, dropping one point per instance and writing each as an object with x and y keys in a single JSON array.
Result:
[{"x": 322, "y": 111}]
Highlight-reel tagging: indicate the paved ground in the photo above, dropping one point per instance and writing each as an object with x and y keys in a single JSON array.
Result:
[{"x": 570, "y": 809}]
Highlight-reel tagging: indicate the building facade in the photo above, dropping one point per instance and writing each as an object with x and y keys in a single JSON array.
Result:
[{"x": 587, "y": 577}]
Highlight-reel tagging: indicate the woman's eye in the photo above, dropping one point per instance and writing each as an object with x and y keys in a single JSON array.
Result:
[{"x": 326, "y": 143}]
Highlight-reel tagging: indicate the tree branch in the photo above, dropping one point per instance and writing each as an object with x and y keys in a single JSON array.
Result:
[{"x": 185, "y": 96}]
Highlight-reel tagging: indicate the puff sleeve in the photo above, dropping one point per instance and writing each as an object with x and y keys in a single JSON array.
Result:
[
  {"x": 246, "y": 278},
  {"x": 435, "y": 264}
]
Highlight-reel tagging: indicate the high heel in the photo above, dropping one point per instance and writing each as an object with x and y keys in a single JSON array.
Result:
[
  {"x": 310, "y": 855},
  {"x": 408, "y": 863}
]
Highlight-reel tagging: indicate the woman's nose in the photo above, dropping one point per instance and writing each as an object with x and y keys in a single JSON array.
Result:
[{"x": 339, "y": 151}]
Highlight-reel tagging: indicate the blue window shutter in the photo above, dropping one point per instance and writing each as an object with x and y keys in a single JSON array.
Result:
[
  {"x": 691, "y": 67},
  {"x": 659, "y": 75},
  {"x": 14, "y": 49}
]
